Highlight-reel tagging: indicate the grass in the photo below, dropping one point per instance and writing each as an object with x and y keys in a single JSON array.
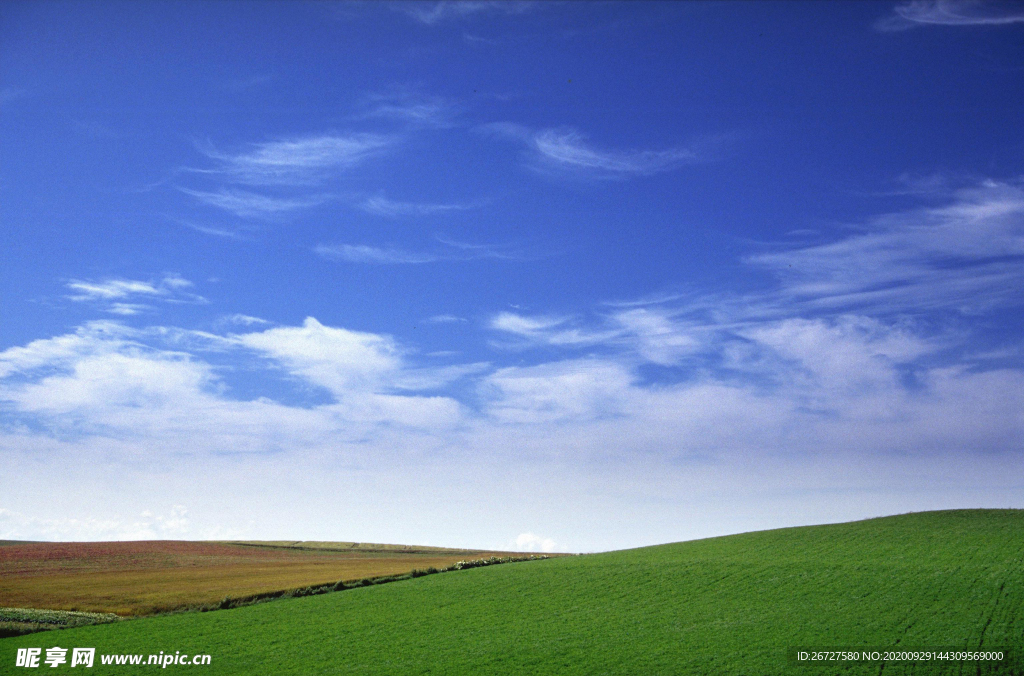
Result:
[
  {"x": 140, "y": 578},
  {"x": 731, "y": 606}
]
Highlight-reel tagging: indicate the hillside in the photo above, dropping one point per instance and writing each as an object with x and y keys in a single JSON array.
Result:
[{"x": 731, "y": 605}]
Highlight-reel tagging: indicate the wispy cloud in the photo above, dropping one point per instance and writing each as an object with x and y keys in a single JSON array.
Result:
[
  {"x": 297, "y": 161},
  {"x": 654, "y": 335},
  {"x": 288, "y": 167},
  {"x": 547, "y": 330},
  {"x": 657, "y": 338},
  {"x": 433, "y": 13},
  {"x": 569, "y": 150},
  {"x": 964, "y": 258},
  {"x": 471, "y": 251},
  {"x": 244, "y": 320},
  {"x": 382, "y": 206},
  {"x": 114, "y": 288},
  {"x": 112, "y": 295},
  {"x": 568, "y": 147},
  {"x": 411, "y": 107},
  {"x": 952, "y": 13},
  {"x": 361, "y": 253},
  {"x": 127, "y": 309},
  {"x": 245, "y": 204},
  {"x": 525, "y": 326},
  {"x": 225, "y": 232},
  {"x": 967, "y": 255},
  {"x": 455, "y": 251},
  {"x": 446, "y": 319}
]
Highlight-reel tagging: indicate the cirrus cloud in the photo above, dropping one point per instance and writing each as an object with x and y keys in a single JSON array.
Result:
[{"x": 952, "y": 13}]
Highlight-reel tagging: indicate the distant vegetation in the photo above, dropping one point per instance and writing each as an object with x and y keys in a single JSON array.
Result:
[
  {"x": 18, "y": 621},
  {"x": 728, "y": 606}
]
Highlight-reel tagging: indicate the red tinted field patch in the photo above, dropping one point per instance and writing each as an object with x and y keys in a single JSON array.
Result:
[{"x": 134, "y": 578}]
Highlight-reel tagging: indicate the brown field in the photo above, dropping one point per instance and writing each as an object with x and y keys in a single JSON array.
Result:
[{"x": 139, "y": 578}]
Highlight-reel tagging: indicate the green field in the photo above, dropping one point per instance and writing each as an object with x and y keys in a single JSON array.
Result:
[{"x": 732, "y": 605}]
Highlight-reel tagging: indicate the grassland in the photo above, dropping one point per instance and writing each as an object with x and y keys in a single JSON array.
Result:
[
  {"x": 139, "y": 578},
  {"x": 726, "y": 606}
]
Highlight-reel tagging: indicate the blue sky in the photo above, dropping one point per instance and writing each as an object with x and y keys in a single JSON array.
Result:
[{"x": 544, "y": 276}]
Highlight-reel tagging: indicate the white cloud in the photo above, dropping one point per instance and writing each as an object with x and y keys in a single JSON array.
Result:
[
  {"x": 780, "y": 412},
  {"x": 246, "y": 320},
  {"x": 337, "y": 359},
  {"x": 847, "y": 347},
  {"x": 434, "y": 377},
  {"x": 300, "y": 160},
  {"x": 548, "y": 330},
  {"x": 567, "y": 148},
  {"x": 362, "y": 253},
  {"x": 382, "y": 206},
  {"x": 815, "y": 406},
  {"x": 575, "y": 389},
  {"x": 952, "y": 13},
  {"x": 652, "y": 334},
  {"x": 127, "y": 309},
  {"x": 847, "y": 366},
  {"x": 655, "y": 336},
  {"x": 113, "y": 288},
  {"x": 289, "y": 167},
  {"x": 208, "y": 230},
  {"x": 966, "y": 255},
  {"x": 246, "y": 204},
  {"x": 416, "y": 109},
  {"x": 106, "y": 381},
  {"x": 438, "y": 12},
  {"x": 16, "y": 525},
  {"x": 123, "y": 379},
  {"x": 445, "y": 319},
  {"x": 422, "y": 412},
  {"x": 111, "y": 294},
  {"x": 98, "y": 337},
  {"x": 456, "y": 251},
  {"x": 176, "y": 282},
  {"x": 531, "y": 542},
  {"x": 525, "y": 326}
]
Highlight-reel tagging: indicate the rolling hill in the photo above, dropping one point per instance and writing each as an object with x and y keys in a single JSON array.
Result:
[{"x": 735, "y": 605}]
